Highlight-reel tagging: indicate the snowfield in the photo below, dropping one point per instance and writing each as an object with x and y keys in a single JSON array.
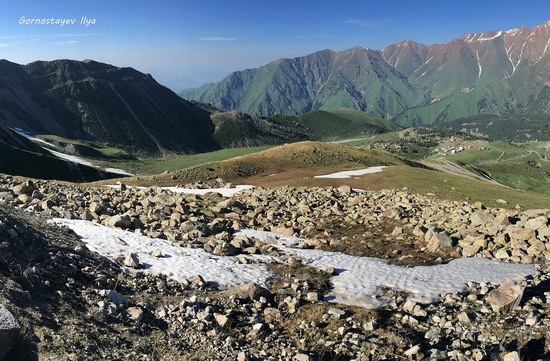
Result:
[
  {"x": 179, "y": 263},
  {"x": 225, "y": 192},
  {"x": 352, "y": 173},
  {"x": 357, "y": 281},
  {"x": 67, "y": 157}
]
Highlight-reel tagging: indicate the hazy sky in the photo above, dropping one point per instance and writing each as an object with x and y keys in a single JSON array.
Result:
[{"x": 185, "y": 43}]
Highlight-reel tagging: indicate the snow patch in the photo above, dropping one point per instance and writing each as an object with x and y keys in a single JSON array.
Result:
[
  {"x": 359, "y": 281},
  {"x": 352, "y": 173},
  {"x": 226, "y": 192},
  {"x": 481, "y": 37},
  {"x": 178, "y": 263},
  {"x": 545, "y": 49},
  {"x": 478, "y": 64},
  {"x": 67, "y": 157}
]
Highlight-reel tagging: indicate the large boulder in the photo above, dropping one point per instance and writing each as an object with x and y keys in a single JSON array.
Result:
[
  {"x": 9, "y": 332},
  {"x": 439, "y": 241},
  {"x": 505, "y": 297},
  {"x": 23, "y": 188},
  {"x": 119, "y": 221},
  {"x": 536, "y": 223}
]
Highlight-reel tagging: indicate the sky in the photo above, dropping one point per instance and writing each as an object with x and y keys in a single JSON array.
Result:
[{"x": 186, "y": 43}]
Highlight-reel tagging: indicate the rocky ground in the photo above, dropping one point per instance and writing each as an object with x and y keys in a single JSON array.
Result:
[{"x": 73, "y": 304}]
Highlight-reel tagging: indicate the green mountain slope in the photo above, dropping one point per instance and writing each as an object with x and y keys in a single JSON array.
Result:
[
  {"x": 342, "y": 123},
  {"x": 332, "y": 124},
  {"x": 517, "y": 127},
  {"x": 238, "y": 130},
  {"x": 493, "y": 72},
  {"x": 356, "y": 78}
]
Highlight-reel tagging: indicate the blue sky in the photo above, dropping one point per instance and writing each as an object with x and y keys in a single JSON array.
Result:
[{"x": 185, "y": 43}]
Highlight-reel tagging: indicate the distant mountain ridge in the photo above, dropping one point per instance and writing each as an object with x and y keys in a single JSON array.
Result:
[
  {"x": 124, "y": 108},
  {"x": 356, "y": 78},
  {"x": 494, "y": 72},
  {"x": 101, "y": 102}
]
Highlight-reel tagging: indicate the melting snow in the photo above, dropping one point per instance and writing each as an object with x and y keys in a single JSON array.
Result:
[
  {"x": 67, "y": 157},
  {"x": 359, "y": 281},
  {"x": 178, "y": 263},
  {"x": 544, "y": 51},
  {"x": 352, "y": 173},
  {"x": 226, "y": 192},
  {"x": 478, "y": 64},
  {"x": 481, "y": 37}
]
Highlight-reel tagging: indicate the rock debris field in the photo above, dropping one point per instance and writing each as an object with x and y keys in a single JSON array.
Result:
[{"x": 242, "y": 273}]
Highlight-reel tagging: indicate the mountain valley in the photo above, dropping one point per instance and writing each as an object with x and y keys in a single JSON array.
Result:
[{"x": 360, "y": 205}]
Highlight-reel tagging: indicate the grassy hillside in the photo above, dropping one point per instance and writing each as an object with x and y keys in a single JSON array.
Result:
[
  {"x": 413, "y": 143},
  {"x": 236, "y": 129},
  {"x": 302, "y": 155},
  {"x": 297, "y": 164},
  {"x": 523, "y": 166},
  {"x": 85, "y": 148},
  {"x": 366, "y": 118},
  {"x": 518, "y": 127},
  {"x": 149, "y": 165},
  {"x": 328, "y": 125}
]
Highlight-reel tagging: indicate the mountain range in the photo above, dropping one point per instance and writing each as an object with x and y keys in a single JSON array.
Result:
[
  {"x": 100, "y": 102},
  {"x": 494, "y": 72},
  {"x": 122, "y": 108}
]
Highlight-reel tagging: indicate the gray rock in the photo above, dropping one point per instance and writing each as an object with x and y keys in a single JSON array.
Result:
[
  {"x": 336, "y": 312},
  {"x": 481, "y": 217},
  {"x": 96, "y": 208},
  {"x": 157, "y": 253},
  {"x": 439, "y": 241},
  {"x": 505, "y": 297},
  {"x": 259, "y": 327},
  {"x": 197, "y": 281},
  {"x": 9, "y": 332},
  {"x": 135, "y": 314},
  {"x": 413, "y": 351},
  {"x": 471, "y": 250},
  {"x": 312, "y": 296},
  {"x": 409, "y": 306},
  {"x": 463, "y": 318},
  {"x": 536, "y": 223},
  {"x": 301, "y": 357},
  {"x": 119, "y": 221},
  {"x": 23, "y": 188},
  {"x": 114, "y": 296},
  {"x": 397, "y": 231},
  {"x": 132, "y": 261},
  {"x": 511, "y": 356},
  {"x": 222, "y": 320}
]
